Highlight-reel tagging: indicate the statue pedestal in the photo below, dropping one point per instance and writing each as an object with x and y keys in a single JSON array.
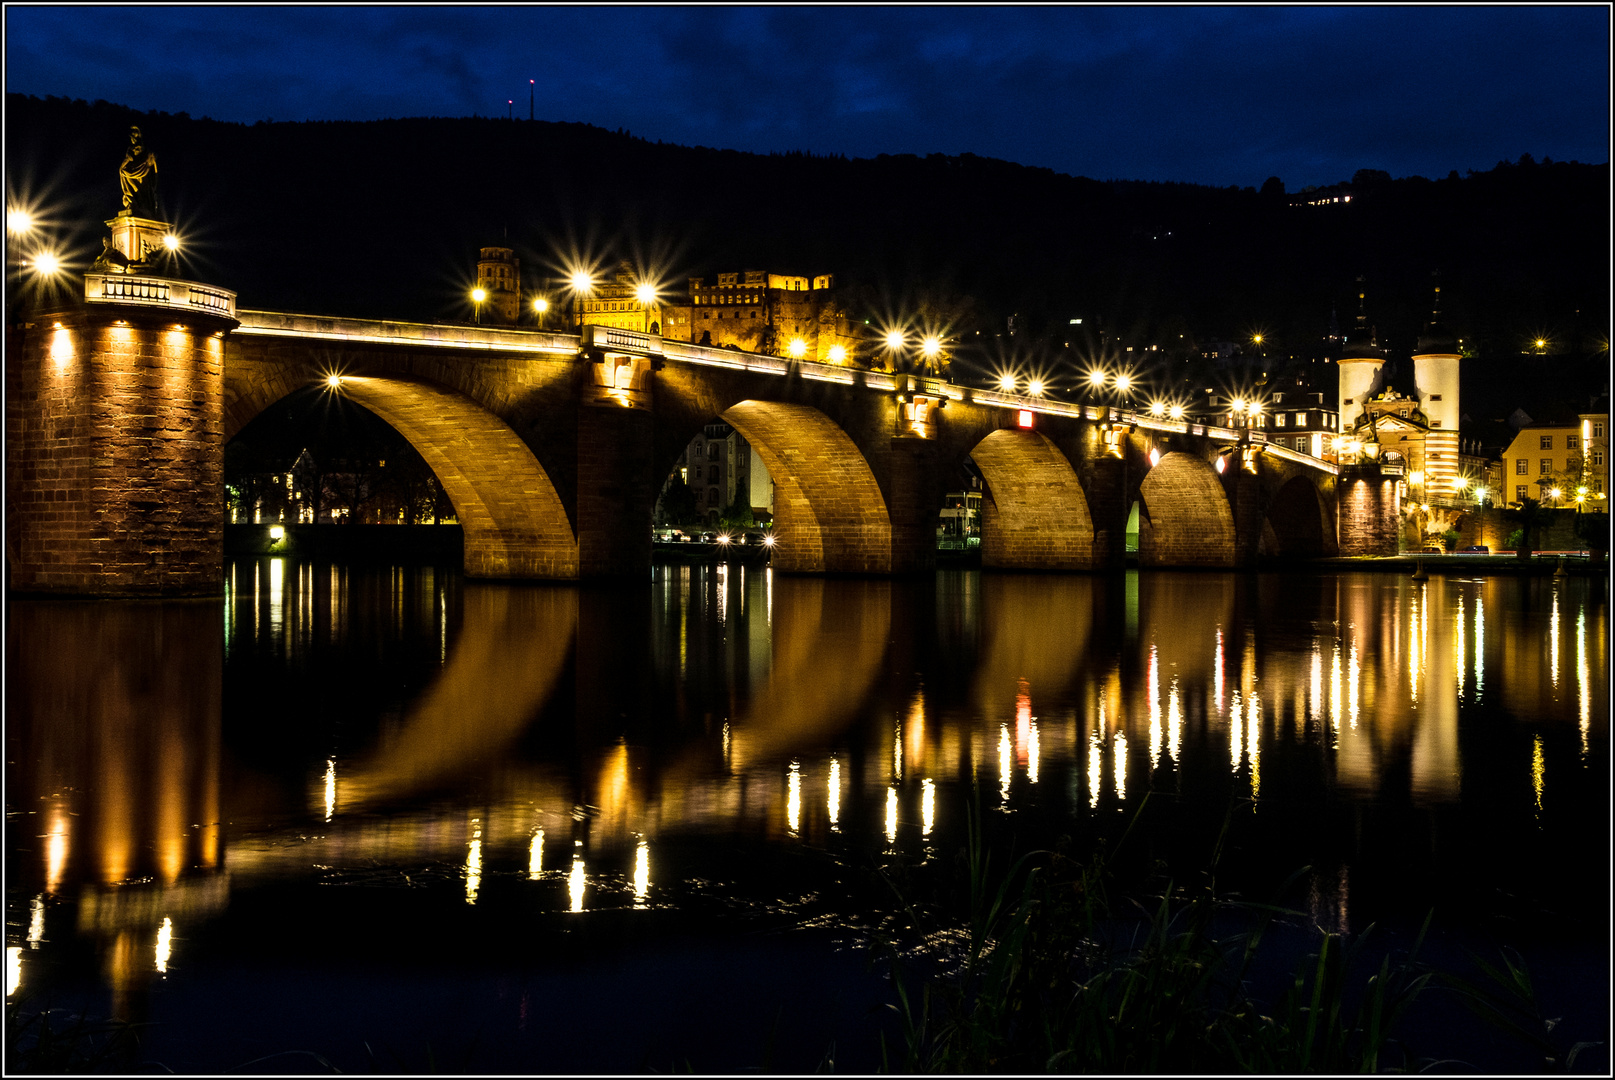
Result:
[{"x": 137, "y": 236}]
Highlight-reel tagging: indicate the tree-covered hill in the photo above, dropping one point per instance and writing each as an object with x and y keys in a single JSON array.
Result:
[{"x": 383, "y": 219}]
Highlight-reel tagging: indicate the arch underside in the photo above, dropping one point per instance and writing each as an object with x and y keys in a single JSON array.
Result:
[
  {"x": 512, "y": 517},
  {"x": 829, "y": 513},
  {"x": 1036, "y": 516},
  {"x": 1185, "y": 519},
  {"x": 1297, "y": 526}
]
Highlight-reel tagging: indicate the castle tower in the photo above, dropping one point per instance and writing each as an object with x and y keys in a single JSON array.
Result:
[
  {"x": 1435, "y": 373},
  {"x": 499, "y": 275},
  {"x": 1361, "y": 363}
]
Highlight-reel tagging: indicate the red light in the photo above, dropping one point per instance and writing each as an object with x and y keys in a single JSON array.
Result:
[{"x": 1025, "y": 418}]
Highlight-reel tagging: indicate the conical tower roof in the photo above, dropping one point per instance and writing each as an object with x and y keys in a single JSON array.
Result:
[
  {"x": 1363, "y": 344},
  {"x": 1436, "y": 338}
]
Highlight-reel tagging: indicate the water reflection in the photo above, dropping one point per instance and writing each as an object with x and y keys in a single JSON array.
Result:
[{"x": 734, "y": 705}]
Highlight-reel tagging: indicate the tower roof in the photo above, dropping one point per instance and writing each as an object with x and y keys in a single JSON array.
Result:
[
  {"x": 1436, "y": 338},
  {"x": 1364, "y": 341}
]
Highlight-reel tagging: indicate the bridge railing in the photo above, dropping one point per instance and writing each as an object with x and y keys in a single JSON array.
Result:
[
  {"x": 612, "y": 337},
  {"x": 393, "y": 332},
  {"x": 171, "y": 294}
]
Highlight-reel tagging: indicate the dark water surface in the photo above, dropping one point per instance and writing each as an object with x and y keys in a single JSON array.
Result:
[{"x": 406, "y": 821}]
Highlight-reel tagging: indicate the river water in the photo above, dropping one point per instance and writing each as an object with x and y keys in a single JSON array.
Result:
[{"x": 400, "y": 820}]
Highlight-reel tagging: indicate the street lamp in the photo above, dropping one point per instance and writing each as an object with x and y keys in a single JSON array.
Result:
[
  {"x": 645, "y": 293},
  {"x": 19, "y": 221},
  {"x": 1035, "y": 387},
  {"x": 582, "y": 284},
  {"x": 478, "y": 295},
  {"x": 1006, "y": 383},
  {"x": 540, "y": 306}
]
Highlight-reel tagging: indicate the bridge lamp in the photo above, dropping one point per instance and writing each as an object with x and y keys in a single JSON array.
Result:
[
  {"x": 645, "y": 293},
  {"x": 797, "y": 348},
  {"x": 768, "y": 540},
  {"x": 1222, "y": 464},
  {"x": 1006, "y": 383},
  {"x": 1157, "y": 408},
  {"x": 541, "y": 305},
  {"x": 19, "y": 221},
  {"x": 1554, "y": 493},
  {"x": 1124, "y": 383},
  {"x": 1035, "y": 388},
  {"x": 478, "y": 295},
  {"x": 47, "y": 264},
  {"x": 1096, "y": 378},
  {"x": 277, "y": 532},
  {"x": 581, "y": 281},
  {"x": 171, "y": 242},
  {"x": 930, "y": 346},
  {"x": 838, "y": 354},
  {"x": 894, "y": 339},
  {"x": 723, "y": 538},
  {"x": 334, "y": 382},
  {"x": 1175, "y": 412}
]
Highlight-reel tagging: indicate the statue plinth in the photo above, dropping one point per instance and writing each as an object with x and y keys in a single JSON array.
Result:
[{"x": 137, "y": 237}]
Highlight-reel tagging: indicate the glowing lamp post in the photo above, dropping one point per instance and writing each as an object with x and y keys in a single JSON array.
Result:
[
  {"x": 478, "y": 295},
  {"x": 19, "y": 222},
  {"x": 540, "y": 307},
  {"x": 582, "y": 284}
]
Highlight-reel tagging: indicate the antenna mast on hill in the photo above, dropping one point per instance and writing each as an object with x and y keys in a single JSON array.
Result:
[{"x": 529, "y": 99}]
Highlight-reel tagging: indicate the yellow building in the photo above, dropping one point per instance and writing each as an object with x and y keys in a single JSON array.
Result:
[
  {"x": 1557, "y": 464},
  {"x": 625, "y": 301},
  {"x": 761, "y": 312},
  {"x": 499, "y": 284}
]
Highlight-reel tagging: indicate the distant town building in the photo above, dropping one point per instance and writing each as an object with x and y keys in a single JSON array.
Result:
[
  {"x": 619, "y": 302},
  {"x": 763, "y": 312},
  {"x": 721, "y": 470},
  {"x": 1555, "y": 462},
  {"x": 499, "y": 278}
]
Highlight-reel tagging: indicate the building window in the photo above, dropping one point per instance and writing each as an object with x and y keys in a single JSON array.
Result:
[
  {"x": 1522, "y": 467},
  {"x": 1572, "y": 442},
  {"x": 1598, "y": 459},
  {"x": 1280, "y": 420},
  {"x": 1519, "y": 492},
  {"x": 712, "y": 497},
  {"x": 712, "y": 472},
  {"x": 1598, "y": 429},
  {"x": 1545, "y": 466},
  {"x": 1546, "y": 442}
]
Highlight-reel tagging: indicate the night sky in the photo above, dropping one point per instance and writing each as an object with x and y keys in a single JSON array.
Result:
[{"x": 1212, "y": 95}]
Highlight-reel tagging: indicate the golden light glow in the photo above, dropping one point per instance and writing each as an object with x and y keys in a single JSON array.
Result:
[
  {"x": 574, "y": 882},
  {"x": 927, "y": 806},
  {"x": 641, "y": 872},
  {"x": 1537, "y": 769},
  {"x": 793, "y": 798},
  {"x": 1222, "y": 464},
  {"x": 1005, "y": 761},
  {"x": 47, "y": 263},
  {"x": 930, "y": 346},
  {"x": 1460, "y": 482},
  {"x": 473, "y": 863},
  {"x": 1124, "y": 382},
  {"x": 645, "y": 293},
  {"x": 1176, "y": 412},
  {"x": 894, "y": 339},
  {"x": 797, "y": 348},
  {"x": 13, "y": 968},
  {"x": 1416, "y": 477},
  {"x": 1035, "y": 388},
  {"x": 1032, "y": 751},
  {"x": 581, "y": 281},
  {"x": 334, "y": 381},
  {"x": 277, "y": 532},
  {"x": 165, "y": 943},
  {"x": 1239, "y": 405},
  {"x": 19, "y": 220},
  {"x": 541, "y": 305},
  {"x": 479, "y": 295},
  {"x": 1155, "y": 455},
  {"x": 1096, "y": 379},
  {"x": 835, "y": 793},
  {"x": 838, "y": 354},
  {"x": 1554, "y": 493},
  {"x": 1006, "y": 383},
  {"x": 36, "y": 922},
  {"x": 1157, "y": 408},
  {"x": 171, "y": 242},
  {"x": 1257, "y": 339},
  {"x": 1121, "y": 765},
  {"x": 891, "y": 815},
  {"x": 535, "y": 856}
]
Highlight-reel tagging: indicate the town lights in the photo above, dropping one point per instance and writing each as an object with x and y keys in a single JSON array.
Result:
[
  {"x": 47, "y": 264},
  {"x": 797, "y": 348}
]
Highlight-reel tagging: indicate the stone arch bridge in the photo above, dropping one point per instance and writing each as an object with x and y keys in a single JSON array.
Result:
[{"x": 553, "y": 448}]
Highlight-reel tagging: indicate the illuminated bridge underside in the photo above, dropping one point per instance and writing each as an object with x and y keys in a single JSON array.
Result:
[
  {"x": 829, "y": 514},
  {"x": 1186, "y": 519},
  {"x": 513, "y": 520},
  {"x": 1036, "y": 517}
]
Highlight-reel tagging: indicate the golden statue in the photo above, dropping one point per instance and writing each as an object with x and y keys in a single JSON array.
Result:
[{"x": 138, "y": 178}]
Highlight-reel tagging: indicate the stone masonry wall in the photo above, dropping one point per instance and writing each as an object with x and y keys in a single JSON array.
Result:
[{"x": 115, "y": 455}]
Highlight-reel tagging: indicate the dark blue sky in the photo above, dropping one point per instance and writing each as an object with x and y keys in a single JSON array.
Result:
[{"x": 1217, "y": 95}]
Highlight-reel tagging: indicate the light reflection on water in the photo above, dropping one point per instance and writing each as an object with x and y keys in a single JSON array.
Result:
[{"x": 403, "y": 720}]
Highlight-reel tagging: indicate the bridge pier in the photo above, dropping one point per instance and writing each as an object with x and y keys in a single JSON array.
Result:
[
  {"x": 115, "y": 451},
  {"x": 1110, "y": 505},
  {"x": 616, "y": 494},
  {"x": 916, "y": 490},
  {"x": 1369, "y": 510}
]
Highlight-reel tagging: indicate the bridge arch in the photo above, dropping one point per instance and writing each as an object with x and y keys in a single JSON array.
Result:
[
  {"x": 513, "y": 520},
  {"x": 1036, "y": 516},
  {"x": 829, "y": 513},
  {"x": 1297, "y": 524},
  {"x": 1186, "y": 519}
]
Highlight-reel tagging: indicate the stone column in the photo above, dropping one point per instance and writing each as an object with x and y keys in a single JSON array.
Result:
[
  {"x": 616, "y": 492},
  {"x": 1106, "y": 488},
  {"x": 914, "y": 501},
  {"x": 1369, "y": 510},
  {"x": 1245, "y": 500},
  {"x": 115, "y": 452}
]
